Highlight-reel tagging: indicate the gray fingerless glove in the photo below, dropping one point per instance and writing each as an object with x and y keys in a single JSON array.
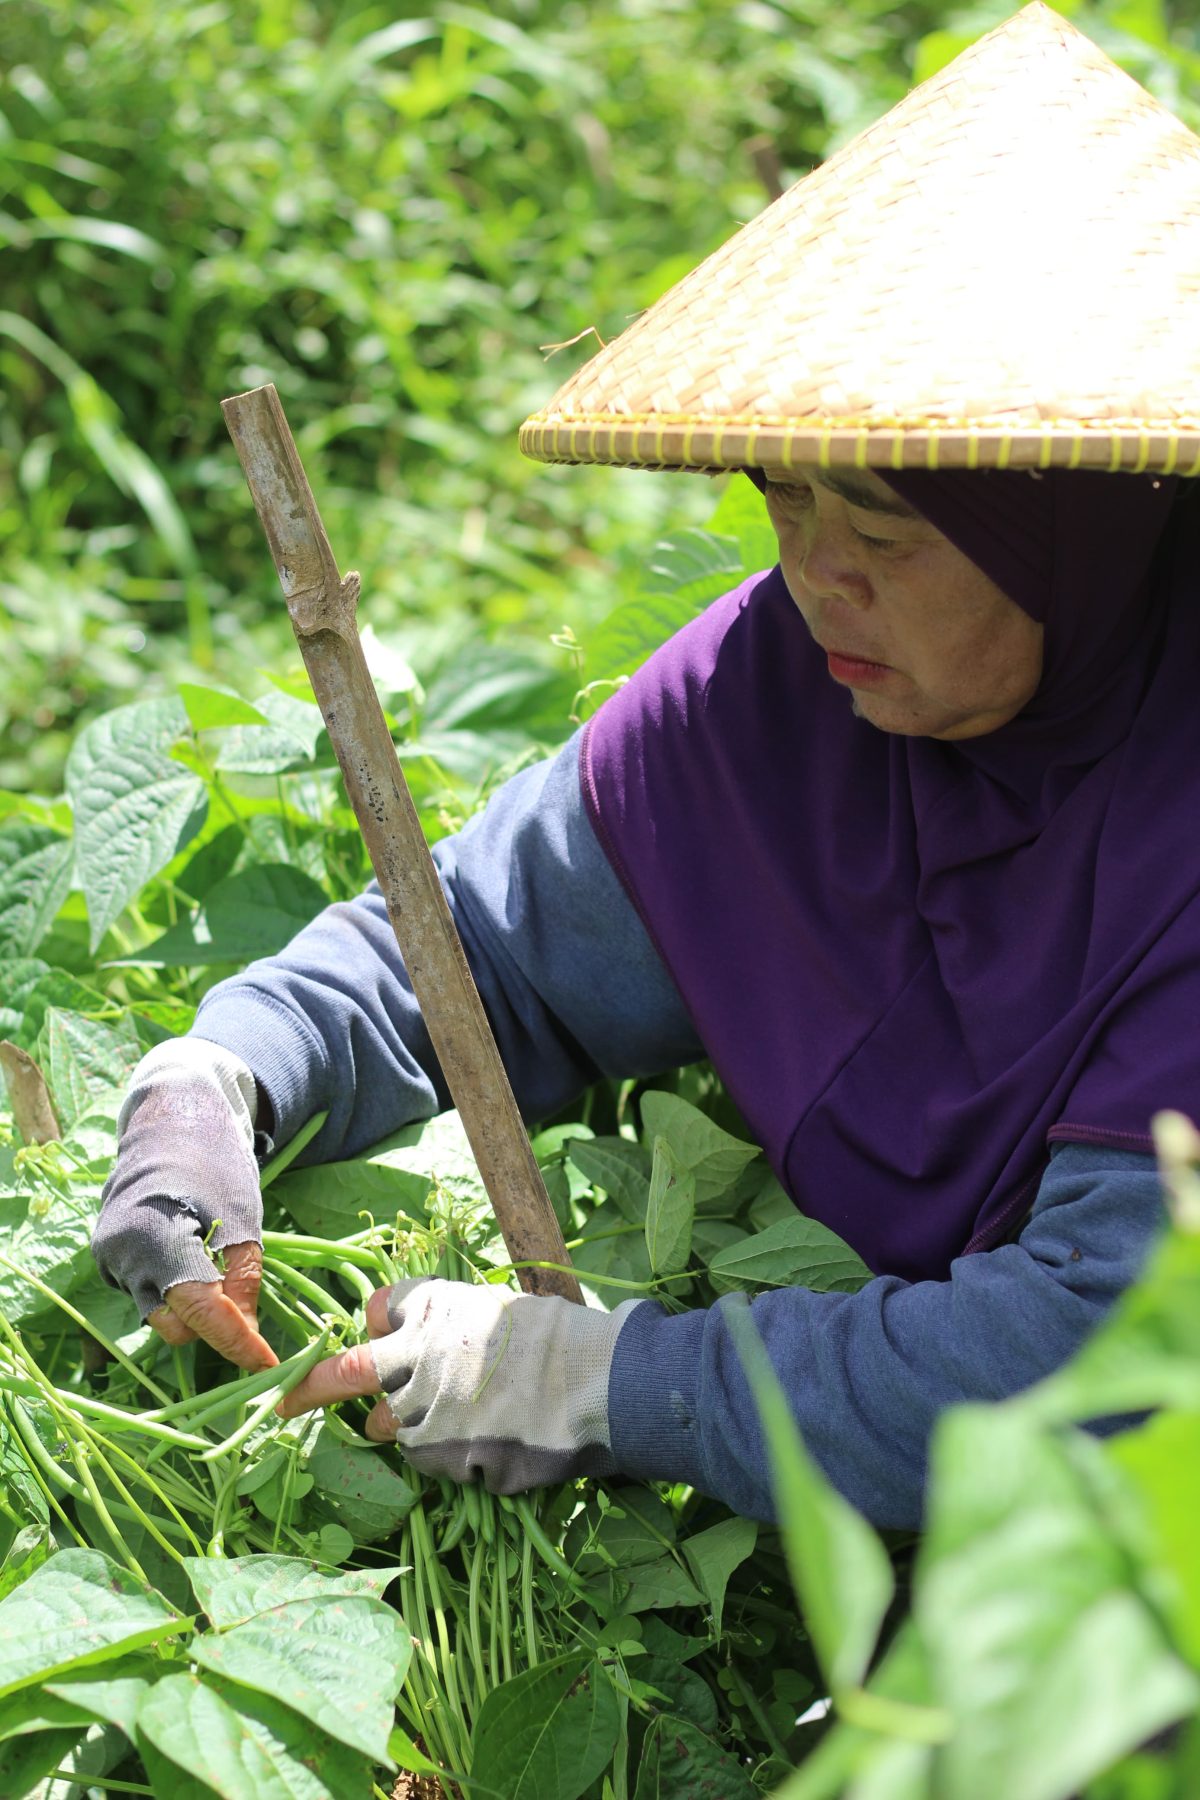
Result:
[
  {"x": 185, "y": 1159},
  {"x": 485, "y": 1384}
]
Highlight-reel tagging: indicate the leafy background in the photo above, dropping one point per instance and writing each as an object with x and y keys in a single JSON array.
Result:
[{"x": 386, "y": 210}]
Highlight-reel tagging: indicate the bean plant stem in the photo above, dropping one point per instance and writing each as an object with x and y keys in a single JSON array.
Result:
[
  {"x": 111, "y": 1784},
  {"x": 426, "y": 1710},
  {"x": 291, "y": 1150},
  {"x": 425, "y": 1560},
  {"x": 474, "y": 1635},
  {"x": 83, "y": 1403},
  {"x": 298, "y": 1368},
  {"x": 36, "y": 1456},
  {"x": 124, "y": 1553},
  {"x": 117, "y": 1354},
  {"x": 308, "y": 1290},
  {"x": 531, "y": 1634}
]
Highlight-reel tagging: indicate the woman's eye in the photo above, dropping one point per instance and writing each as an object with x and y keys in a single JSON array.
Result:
[
  {"x": 876, "y": 543},
  {"x": 788, "y": 497}
]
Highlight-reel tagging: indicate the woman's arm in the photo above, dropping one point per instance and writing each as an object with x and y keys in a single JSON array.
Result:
[
  {"x": 571, "y": 983},
  {"x": 868, "y": 1373}
]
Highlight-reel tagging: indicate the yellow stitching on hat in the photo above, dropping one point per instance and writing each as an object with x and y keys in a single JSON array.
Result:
[
  {"x": 1047, "y": 449},
  {"x": 1168, "y": 467},
  {"x": 897, "y": 449},
  {"x": 570, "y": 440},
  {"x": 1076, "y": 455},
  {"x": 592, "y": 443},
  {"x": 1003, "y": 450},
  {"x": 1143, "y": 455},
  {"x": 1195, "y": 468},
  {"x": 972, "y": 448},
  {"x": 685, "y": 456},
  {"x": 718, "y": 434},
  {"x": 933, "y": 449},
  {"x": 633, "y": 442},
  {"x": 1114, "y": 461}
]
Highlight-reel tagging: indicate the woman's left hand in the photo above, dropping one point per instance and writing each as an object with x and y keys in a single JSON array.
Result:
[{"x": 480, "y": 1383}]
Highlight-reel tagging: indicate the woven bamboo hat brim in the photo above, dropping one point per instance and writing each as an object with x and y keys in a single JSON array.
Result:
[{"x": 1003, "y": 272}]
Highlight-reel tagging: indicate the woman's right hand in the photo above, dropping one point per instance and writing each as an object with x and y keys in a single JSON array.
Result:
[{"x": 185, "y": 1183}]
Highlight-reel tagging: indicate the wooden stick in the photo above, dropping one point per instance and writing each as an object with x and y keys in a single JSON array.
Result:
[{"x": 322, "y": 609}]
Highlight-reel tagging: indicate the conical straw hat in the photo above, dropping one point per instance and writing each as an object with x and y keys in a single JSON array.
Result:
[{"x": 1003, "y": 272}]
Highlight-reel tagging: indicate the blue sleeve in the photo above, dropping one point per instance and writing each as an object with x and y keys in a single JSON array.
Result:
[
  {"x": 571, "y": 983},
  {"x": 867, "y": 1374}
]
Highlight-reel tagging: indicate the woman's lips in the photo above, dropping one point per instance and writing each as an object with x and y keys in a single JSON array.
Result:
[{"x": 856, "y": 671}]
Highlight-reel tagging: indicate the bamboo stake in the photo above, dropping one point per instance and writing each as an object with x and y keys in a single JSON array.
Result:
[{"x": 322, "y": 607}]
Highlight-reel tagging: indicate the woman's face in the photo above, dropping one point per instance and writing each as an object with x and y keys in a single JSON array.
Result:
[{"x": 927, "y": 645}]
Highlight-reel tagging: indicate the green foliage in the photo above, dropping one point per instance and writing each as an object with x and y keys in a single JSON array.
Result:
[
  {"x": 306, "y": 1666},
  {"x": 387, "y": 214}
]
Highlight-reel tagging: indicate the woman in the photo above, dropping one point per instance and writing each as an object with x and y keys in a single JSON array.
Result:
[{"x": 899, "y": 833}]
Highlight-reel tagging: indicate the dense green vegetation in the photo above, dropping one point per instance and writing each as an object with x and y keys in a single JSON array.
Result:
[{"x": 388, "y": 213}]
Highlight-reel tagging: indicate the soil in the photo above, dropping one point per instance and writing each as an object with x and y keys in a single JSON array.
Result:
[{"x": 417, "y": 1787}]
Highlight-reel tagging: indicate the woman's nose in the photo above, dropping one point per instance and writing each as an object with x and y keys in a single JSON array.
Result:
[{"x": 829, "y": 567}]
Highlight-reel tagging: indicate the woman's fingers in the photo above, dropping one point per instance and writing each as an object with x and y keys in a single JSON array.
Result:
[
  {"x": 345, "y": 1376},
  {"x": 243, "y": 1279},
  {"x": 205, "y": 1310},
  {"x": 168, "y": 1327},
  {"x": 381, "y": 1424},
  {"x": 378, "y": 1323}
]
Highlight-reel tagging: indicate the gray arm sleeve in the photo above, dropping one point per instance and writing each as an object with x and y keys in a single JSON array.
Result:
[
  {"x": 572, "y": 985},
  {"x": 867, "y": 1374}
]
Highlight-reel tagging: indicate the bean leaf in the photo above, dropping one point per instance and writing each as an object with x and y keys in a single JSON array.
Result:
[
  {"x": 364, "y": 1493},
  {"x": 233, "y": 1589},
  {"x": 1041, "y": 1644},
  {"x": 713, "y": 1555},
  {"x": 77, "y": 1609},
  {"x": 680, "y": 1762},
  {"x": 395, "y": 1175},
  {"x": 795, "y": 1252},
  {"x": 208, "y": 708},
  {"x": 26, "y": 1760},
  {"x": 620, "y": 1168},
  {"x": 135, "y": 806},
  {"x": 548, "y": 1733},
  {"x": 670, "y": 1211},
  {"x": 288, "y": 739},
  {"x": 839, "y": 1569},
  {"x": 715, "y": 1157},
  {"x": 338, "y": 1659},
  {"x": 87, "y": 1063},
  {"x": 245, "y": 1745},
  {"x": 35, "y": 878},
  {"x": 45, "y": 1231},
  {"x": 252, "y": 913},
  {"x": 19, "y": 976}
]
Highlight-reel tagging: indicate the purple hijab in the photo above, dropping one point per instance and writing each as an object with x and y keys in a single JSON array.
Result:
[{"x": 917, "y": 964}]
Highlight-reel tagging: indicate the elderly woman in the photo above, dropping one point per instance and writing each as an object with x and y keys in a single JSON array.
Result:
[{"x": 900, "y": 834}]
